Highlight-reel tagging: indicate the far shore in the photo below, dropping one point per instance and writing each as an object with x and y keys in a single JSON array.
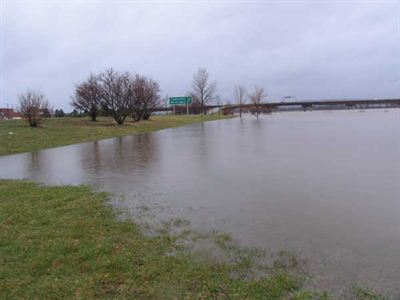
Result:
[{"x": 18, "y": 137}]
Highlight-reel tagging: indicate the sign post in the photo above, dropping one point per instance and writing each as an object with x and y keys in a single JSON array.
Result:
[{"x": 180, "y": 101}]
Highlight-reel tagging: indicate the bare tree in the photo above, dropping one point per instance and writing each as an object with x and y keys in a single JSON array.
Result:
[
  {"x": 145, "y": 97},
  {"x": 202, "y": 89},
  {"x": 256, "y": 99},
  {"x": 87, "y": 97},
  {"x": 152, "y": 99},
  {"x": 137, "y": 88},
  {"x": 34, "y": 107},
  {"x": 115, "y": 94},
  {"x": 239, "y": 95}
]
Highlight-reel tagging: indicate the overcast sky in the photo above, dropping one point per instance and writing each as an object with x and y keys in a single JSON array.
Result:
[{"x": 307, "y": 49}]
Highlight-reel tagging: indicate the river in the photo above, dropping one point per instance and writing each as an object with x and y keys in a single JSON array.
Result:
[{"x": 325, "y": 185}]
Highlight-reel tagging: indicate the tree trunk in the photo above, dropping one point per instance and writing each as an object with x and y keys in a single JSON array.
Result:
[{"x": 93, "y": 112}]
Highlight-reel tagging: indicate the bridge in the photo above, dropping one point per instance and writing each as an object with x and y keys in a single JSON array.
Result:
[
  {"x": 309, "y": 104},
  {"x": 305, "y": 104}
]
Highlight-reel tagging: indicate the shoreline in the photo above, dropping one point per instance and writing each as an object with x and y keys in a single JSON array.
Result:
[
  {"x": 67, "y": 241},
  {"x": 17, "y": 137}
]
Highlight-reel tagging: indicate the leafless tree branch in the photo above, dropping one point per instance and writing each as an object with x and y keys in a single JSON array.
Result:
[
  {"x": 115, "y": 94},
  {"x": 87, "y": 96},
  {"x": 202, "y": 89},
  {"x": 256, "y": 98},
  {"x": 145, "y": 98},
  {"x": 34, "y": 107},
  {"x": 239, "y": 95}
]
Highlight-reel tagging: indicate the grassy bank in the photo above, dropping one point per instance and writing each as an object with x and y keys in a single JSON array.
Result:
[
  {"x": 64, "y": 242},
  {"x": 16, "y": 136}
]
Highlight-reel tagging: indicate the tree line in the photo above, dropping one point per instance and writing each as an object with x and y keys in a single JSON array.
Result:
[
  {"x": 256, "y": 98},
  {"x": 204, "y": 92},
  {"x": 122, "y": 95},
  {"x": 119, "y": 94}
]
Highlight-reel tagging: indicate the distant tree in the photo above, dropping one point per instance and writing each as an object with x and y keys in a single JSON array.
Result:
[
  {"x": 115, "y": 94},
  {"x": 87, "y": 97},
  {"x": 256, "y": 98},
  {"x": 203, "y": 91},
  {"x": 240, "y": 96},
  {"x": 46, "y": 112},
  {"x": 144, "y": 97},
  {"x": 34, "y": 107},
  {"x": 59, "y": 113},
  {"x": 75, "y": 113}
]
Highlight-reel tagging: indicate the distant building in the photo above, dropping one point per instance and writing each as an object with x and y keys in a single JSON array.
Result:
[{"x": 9, "y": 113}]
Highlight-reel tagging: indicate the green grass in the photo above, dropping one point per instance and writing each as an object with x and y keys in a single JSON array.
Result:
[
  {"x": 64, "y": 242},
  {"x": 16, "y": 136}
]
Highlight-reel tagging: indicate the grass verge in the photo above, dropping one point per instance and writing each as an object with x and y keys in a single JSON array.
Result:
[{"x": 16, "y": 136}]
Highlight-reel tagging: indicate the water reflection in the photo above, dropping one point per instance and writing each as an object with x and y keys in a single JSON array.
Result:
[
  {"x": 323, "y": 184},
  {"x": 125, "y": 154}
]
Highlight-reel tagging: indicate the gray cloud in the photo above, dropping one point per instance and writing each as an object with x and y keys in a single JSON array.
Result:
[{"x": 308, "y": 49}]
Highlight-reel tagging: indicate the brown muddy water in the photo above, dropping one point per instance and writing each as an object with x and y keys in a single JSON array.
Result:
[{"x": 325, "y": 185}]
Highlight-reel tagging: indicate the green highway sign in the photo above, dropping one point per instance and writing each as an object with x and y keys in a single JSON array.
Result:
[{"x": 180, "y": 100}]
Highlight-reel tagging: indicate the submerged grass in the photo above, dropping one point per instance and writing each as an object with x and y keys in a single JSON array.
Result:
[
  {"x": 63, "y": 242},
  {"x": 16, "y": 136},
  {"x": 66, "y": 242}
]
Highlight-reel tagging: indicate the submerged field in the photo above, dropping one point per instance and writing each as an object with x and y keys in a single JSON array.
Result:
[
  {"x": 70, "y": 242},
  {"x": 66, "y": 242},
  {"x": 16, "y": 136}
]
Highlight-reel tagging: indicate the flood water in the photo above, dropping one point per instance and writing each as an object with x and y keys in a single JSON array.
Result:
[{"x": 325, "y": 185}]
